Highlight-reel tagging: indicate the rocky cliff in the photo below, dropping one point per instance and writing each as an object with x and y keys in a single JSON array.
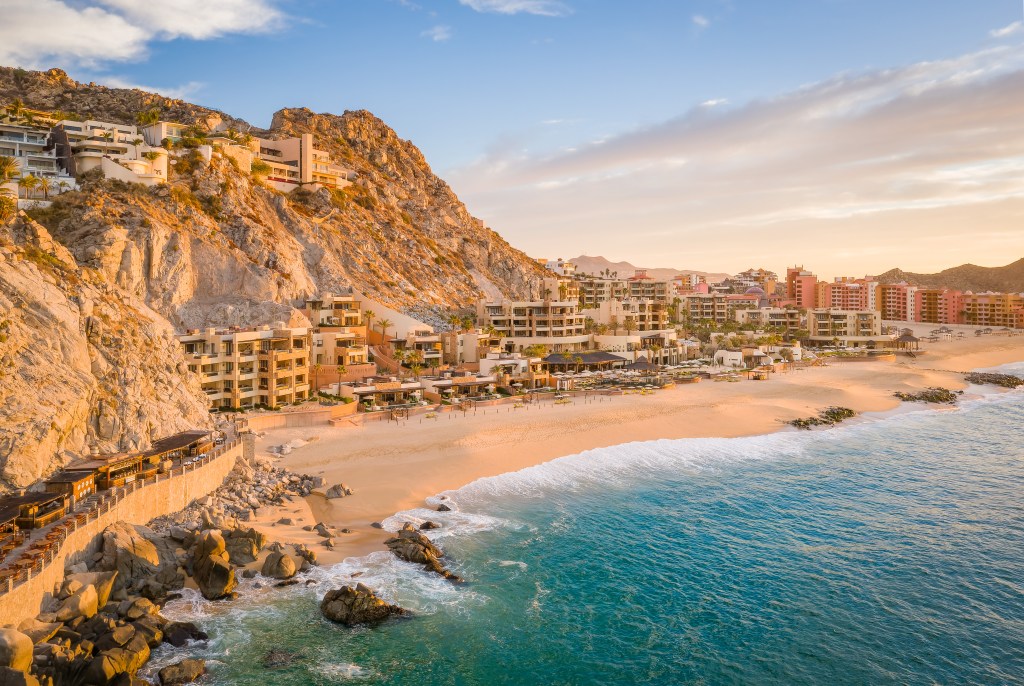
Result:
[
  {"x": 82, "y": 362},
  {"x": 966, "y": 277}
]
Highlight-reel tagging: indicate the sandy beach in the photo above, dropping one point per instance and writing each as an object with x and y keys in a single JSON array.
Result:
[{"x": 393, "y": 467}]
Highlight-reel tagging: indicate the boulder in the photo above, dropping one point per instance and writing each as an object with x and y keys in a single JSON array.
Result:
[
  {"x": 211, "y": 567},
  {"x": 338, "y": 491},
  {"x": 129, "y": 553},
  {"x": 357, "y": 605},
  {"x": 322, "y": 530},
  {"x": 39, "y": 632},
  {"x": 184, "y": 672},
  {"x": 412, "y": 546},
  {"x": 103, "y": 582},
  {"x": 244, "y": 545},
  {"x": 84, "y": 603},
  {"x": 443, "y": 508},
  {"x": 15, "y": 650},
  {"x": 308, "y": 556},
  {"x": 427, "y": 525},
  {"x": 278, "y": 566},
  {"x": 111, "y": 664},
  {"x": 179, "y": 633}
]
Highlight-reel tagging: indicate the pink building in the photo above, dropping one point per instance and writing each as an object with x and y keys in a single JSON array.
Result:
[
  {"x": 801, "y": 287},
  {"x": 938, "y": 306},
  {"x": 897, "y": 301}
]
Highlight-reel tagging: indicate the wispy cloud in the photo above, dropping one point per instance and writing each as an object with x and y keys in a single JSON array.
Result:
[
  {"x": 181, "y": 92},
  {"x": 700, "y": 21},
  {"x": 545, "y": 8},
  {"x": 37, "y": 33},
  {"x": 889, "y": 156},
  {"x": 438, "y": 34},
  {"x": 1008, "y": 30}
]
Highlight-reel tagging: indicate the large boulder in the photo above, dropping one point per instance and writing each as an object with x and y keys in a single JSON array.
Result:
[
  {"x": 357, "y": 605},
  {"x": 179, "y": 633},
  {"x": 39, "y": 632},
  {"x": 103, "y": 582},
  {"x": 110, "y": 664},
  {"x": 15, "y": 650},
  {"x": 184, "y": 672},
  {"x": 412, "y": 546},
  {"x": 211, "y": 566},
  {"x": 278, "y": 565},
  {"x": 84, "y": 603},
  {"x": 244, "y": 545},
  {"x": 129, "y": 553}
]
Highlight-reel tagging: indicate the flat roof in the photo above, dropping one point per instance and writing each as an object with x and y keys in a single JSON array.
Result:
[
  {"x": 10, "y": 508},
  {"x": 176, "y": 442},
  {"x": 68, "y": 476}
]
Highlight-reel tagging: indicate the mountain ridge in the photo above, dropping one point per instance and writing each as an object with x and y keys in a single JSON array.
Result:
[
  {"x": 966, "y": 277},
  {"x": 596, "y": 264}
]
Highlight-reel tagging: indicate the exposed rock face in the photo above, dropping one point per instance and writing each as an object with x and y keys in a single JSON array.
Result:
[
  {"x": 412, "y": 546},
  {"x": 184, "y": 672},
  {"x": 211, "y": 567},
  {"x": 82, "y": 362},
  {"x": 128, "y": 553},
  {"x": 358, "y": 605}
]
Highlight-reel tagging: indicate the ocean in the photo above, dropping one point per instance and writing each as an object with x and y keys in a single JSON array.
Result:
[{"x": 886, "y": 551}]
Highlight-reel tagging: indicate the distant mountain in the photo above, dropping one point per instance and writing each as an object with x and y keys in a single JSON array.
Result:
[
  {"x": 966, "y": 277},
  {"x": 597, "y": 265}
]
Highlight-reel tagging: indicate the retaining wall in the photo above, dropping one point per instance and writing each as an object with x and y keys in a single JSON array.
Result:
[
  {"x": 137, "y": 502},
  {"x": 287, "y": 420}
]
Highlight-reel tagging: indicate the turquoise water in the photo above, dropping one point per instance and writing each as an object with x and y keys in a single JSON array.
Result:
[{"x": 886, "y": 552}]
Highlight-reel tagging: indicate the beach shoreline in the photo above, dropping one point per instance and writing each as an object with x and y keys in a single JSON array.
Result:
[{"x": 393, "y": 467}]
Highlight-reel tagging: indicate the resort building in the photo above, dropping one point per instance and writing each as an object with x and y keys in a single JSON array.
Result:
[
  {"x": 339, "y": 338},
  {"x": 897, "y": 301},
  {"x": 516, "y": 370},
  {"x": 683, "y": 284},
  {"x": 801, "y": 287},
  {"x": 424, "y": 347},
  {"x": 762, "y": 278},
  {"x": 594, "y": 290},
  {"x": 852, "y": 328},
  {"x": 630, "y": 315},
  {"x": 33, "y": 510},
  {"x": 118, "y": 150},
  {"x": 718, "y": 307},
  {"x": 242, "y": 368},
  {"x": 456, "y": 387},
  {"x": 846, "y": 293},
  {"x": 557, "y": 324},
  {"x": 993, "y": 309},
  {"x": 468, "y": 347},
  {"x": 938, "y": 306},
  {"x": 74, "y": 484},
  {"x": 163, "y": 133},
  {"x": 787, "y": 318},
  {"x": 35, "y": 156},
  {"x": 295, "y": 162},
  {"x": 383, "y": 392},
  {"x": 560, "y": 267}
]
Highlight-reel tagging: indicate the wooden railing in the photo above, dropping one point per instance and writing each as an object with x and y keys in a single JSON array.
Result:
[{"x": 42, "y": 552}]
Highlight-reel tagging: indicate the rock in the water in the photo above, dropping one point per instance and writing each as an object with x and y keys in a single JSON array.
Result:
[
  {"x": 427, "y": 525},
  {"x": 279, "y": 658},
  {"x": 413, "y": 546},
  {"x": 443, "y": 508},
  {"x": 278, "y": 566},
  {"x": 210, "y": 566},
  {"x": 15, "y": 650},
  {"x": 178, "y": 633},
  {"x": 184, "y": 672},
  {"x": 358, "y": 605}
]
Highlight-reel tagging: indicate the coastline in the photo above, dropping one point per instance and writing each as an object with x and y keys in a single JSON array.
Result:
[{"x": 396, "y": 467}]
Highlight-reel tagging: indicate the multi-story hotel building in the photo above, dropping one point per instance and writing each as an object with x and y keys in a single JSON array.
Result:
[
  {"x": 118, "y": 150},
  {"x": 897, "y": 301},
  {"x": 595, "y": 290},
  {"x": 846, "y": 293},
  {"x": 557, "y": 324},
  {"x": 787, "y": 318},
  {"x": 249, "y": 367},
  {"x": 801, "y": 287},
  {"x": 31, "y": 149},
  {"x": 938, "y": 306},
  {"x": 850, "y": 327},
  {"x": 294, "y": 162},
  {"x": 993, "y": 309},
  {"x": 631, "y": 315},
  {"x": 339, "y": 331}
]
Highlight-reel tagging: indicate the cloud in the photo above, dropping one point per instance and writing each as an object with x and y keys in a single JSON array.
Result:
[
  {"x": 37, "y": 33},
  {"x": 701, "y": 22},
  {"x": 544, "y": 8},
  {"x": 888, "y": 157},
  {"x": 438, "y": 34},
  {"x": 180, "y": 92},
  {"x": 1007, "y": 30}
]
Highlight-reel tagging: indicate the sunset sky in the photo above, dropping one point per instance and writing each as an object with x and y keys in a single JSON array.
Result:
[{"x": 850, "y": 136}]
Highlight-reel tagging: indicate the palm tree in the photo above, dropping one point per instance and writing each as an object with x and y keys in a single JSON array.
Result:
[
  {"x": 577, "y": 360},
  {"x": 316, "y": 369},
  {"x": 368, "y": 315},
  {"x": 45, "y": 185},
  {"x": 136, "y": 142},
  {"x": 63, "y": 186},
  {"x": 630, "y": 325},
  {"x": 8, "y": 170},
  {"x": 16, "y": 107},
  {"x": 455, "y": 321},
  {"x": 341, "y": 372},
  {"x": 467, "y": 323},
  {"x": 29, "y": 183},
  {"x": 384, "y": 324}
]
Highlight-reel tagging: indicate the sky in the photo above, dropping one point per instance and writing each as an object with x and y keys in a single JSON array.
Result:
[{"x": 848, "y": 136}]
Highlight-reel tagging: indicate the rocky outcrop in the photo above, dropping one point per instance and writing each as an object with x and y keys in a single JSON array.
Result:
[
  {"x": 337, "y": 491},
  {"x": 357, "y": 605},
  {"x": 184, "y": 672},
  {"x": 211, "y": 567},
  {"x": 412, "y": 546},
  {"x": 129, "y": 554},
  {"x": 82, "y": 363}
]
